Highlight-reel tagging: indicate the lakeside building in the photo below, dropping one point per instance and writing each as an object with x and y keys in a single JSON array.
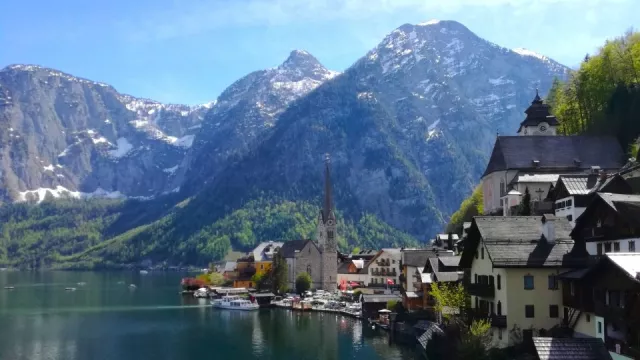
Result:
[
  {"x": 385, "y": 268},
  {"x": 413, "y": 263},
  {"x": 257, "y": 261},
  {"x": 445, "y": 269},
  {"x": 603, "y": 302},
  {"x": 354, "y": 268},
  {"x": 536, "y": 157},
  {"x": 303, "y": 256},
  {"x": 511, "y": 266}
]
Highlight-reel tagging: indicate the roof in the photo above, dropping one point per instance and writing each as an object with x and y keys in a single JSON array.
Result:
[
  {"x": 265, "y": 250},
  {"x": 443, "y": 276},
  {"x": 537, "y": 113},
  {"x": 430, "y": 330},
  {"x": 290, "y": 247},
  {"x": 344, "y": 267},
  {"x": 263, "y": 295},
  {"x": 570, "y": 348},
  {"x": 629, "y": 262},
  {"x": 418, "y": 258},
  {"x": 518, "y": 241},
  {"x": 536, "y": 178},
  {"x": 573, "y": 274},
  {"x": 446, "y": 236},
  {"x": 382, "y": 298},
  {"x": 578, "y": 184},
  {"x": 574, "y": 153},
  {"x": 450, "y": 260},
  {"x": 411, "y": 295},
  {"x": 230, "y": 266}
]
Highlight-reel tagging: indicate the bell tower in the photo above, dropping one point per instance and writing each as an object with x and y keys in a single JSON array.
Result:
[
  {"x": 539, "y": 120},
  {"x": 327, "y": 234}
]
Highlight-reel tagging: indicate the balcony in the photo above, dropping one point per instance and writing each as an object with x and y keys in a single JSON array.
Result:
[
  {"x": 610, "y": 312},
  {"x": 482, "y": 290},
  {"x": 497, "y": 321}
]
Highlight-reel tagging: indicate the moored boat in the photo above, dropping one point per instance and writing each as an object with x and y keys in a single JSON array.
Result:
[{"x": 232, "y": 302}]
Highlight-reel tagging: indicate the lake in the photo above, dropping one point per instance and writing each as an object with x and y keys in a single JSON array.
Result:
[{"x": 105, "y": 320}]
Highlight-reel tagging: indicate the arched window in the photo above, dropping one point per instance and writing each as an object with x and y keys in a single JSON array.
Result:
[
  {"x": 499, "y": 308},
  {"x": 499, "y": 282},
  {"x": 309, "y": 269}
]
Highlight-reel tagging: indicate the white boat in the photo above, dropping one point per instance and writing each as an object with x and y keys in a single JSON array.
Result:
[
  {"x": 144, "y": 272},
  {"x": 232, "y": 302},
  {"x": 201, "y": 293}
]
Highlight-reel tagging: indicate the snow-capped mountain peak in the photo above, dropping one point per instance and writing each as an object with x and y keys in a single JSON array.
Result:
[{"x": 527, "y": 52}]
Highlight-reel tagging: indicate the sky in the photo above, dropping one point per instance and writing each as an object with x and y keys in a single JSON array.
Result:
[{"x": 188, "y": 52}]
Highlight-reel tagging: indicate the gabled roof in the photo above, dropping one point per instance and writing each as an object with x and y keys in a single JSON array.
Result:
[
  {"x": 450, "y": 261},
  {"x": 418, "y": 258},
  {"x": 518, "y": 241},
  {"x": 629, "y": 262},
  {"x": 290, "y": 247},
  {"x": 583, "y": 184},
  {"x": 537, "y": 113},
  {"x": 265, "y": 250},
  {"x": 555, "y": 153},
  {"x": 570, "y": 349}
]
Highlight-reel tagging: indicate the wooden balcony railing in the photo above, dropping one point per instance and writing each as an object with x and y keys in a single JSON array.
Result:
[{"x": 482, "y": 290}]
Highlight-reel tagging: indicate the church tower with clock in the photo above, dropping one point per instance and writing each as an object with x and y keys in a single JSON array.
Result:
[
  {"x": 327, "y": 235},
  {"x": 539, "y": 120}
]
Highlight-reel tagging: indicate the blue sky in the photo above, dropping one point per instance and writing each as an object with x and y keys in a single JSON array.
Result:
[{"x": 189, "y": 51}]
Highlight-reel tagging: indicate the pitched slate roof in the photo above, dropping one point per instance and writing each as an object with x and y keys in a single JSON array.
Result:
[
  {"x": 570, "y": 348},
  {"x": 430, "y": 330},
  {"x": 536, "y": 178},
  {"x": 344, "y": 267},
  {"x": 290, "y": 247},
  {"x": 418, "y": 258},
  {"x": 265, "y": 250},
  {"x": 566, "y": 153},
  {"x": 518, "y": 241},
  {"x": 444, "y": 276},
  {"x": 450, "y": 260}
]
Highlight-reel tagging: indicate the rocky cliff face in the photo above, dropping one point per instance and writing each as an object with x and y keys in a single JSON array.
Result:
[
  {"x": 63, "y": 135},
  {"x": 409, "y": 127}
]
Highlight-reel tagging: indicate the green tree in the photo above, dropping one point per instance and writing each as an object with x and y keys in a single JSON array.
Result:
[
  {"x": 216, "y": 279},
  {"x": 524, "y": 209},
  {"x": 470, "y": 207},
  {"x": 391, "y": 304},
  {"x": 355, "y": 250},
  {"x": 303, "y": 283},
  {"x": 450, "y": 299},
  {"x": 278, "y": 273},
  {"x": 258, "y": 280}
]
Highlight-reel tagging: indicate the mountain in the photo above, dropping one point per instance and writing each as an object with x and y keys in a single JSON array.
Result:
[
  {"x": 64, "y": 135},
  {"x": 248, "y": 110},
  {"x": 409, "y": 127}
]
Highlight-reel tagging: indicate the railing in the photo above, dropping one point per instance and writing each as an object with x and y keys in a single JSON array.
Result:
[
  {"x": 610, "y": 312},
  {"x": 498, "y": 321},
  {"x": 482, "y": 290}
]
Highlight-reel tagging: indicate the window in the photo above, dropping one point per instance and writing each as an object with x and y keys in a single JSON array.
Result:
[
  {"x": 477, "y": 303},
  {"x": 570, "y": 217},
  {"x": 393, "y": 261},
  {"x": 607, "y": 247},
  {"x": 499, "y": 308},
  {"x": 499, "y": 282},
  {"x": 528, "y": 311},
  {"x": 588, "y": 318},
  {"x": 572, "y": 289},
  {"x": 476, "y": 253},
  {"x": 309, "y": 269},
  {"x": 528, "y": 282},
  {"x": 599, "y": 247},
  {"x": 553, "y": 282},
  {"x": 616, "y": 246},
  {"x": 553, "y": 311},
  {"x": 569, "y": 203},
  {"x": 500, "y": 334},
  {"x": 599, "y": 327},
  {"x": 491, "y": 281},
  {"x": 482, "y": 252},
  {"x": 632, "y": 246},
  {"x": 476, "y": 279}
]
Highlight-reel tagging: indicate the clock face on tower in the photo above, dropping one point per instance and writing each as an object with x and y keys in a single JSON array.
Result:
[
  {"x": 543, "y": 127},
  {"x": 330, "y": 222}
]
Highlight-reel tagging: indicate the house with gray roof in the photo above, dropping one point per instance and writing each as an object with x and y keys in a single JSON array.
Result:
[
  {"x": 547, "y": 348},
  {"x": 511, "y": 266},
  {"x": 536, "y": 157}
]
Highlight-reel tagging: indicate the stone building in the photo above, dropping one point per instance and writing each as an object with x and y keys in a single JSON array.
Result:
[
  {"x": 303, "y": 256},
  {"x": 327, "y": 236}
]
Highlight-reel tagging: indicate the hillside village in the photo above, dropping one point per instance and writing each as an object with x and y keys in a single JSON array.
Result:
[{"x": 551, "y": 263}]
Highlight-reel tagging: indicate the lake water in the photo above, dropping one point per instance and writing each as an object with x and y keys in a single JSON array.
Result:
[{"x": 105, "y": 320}]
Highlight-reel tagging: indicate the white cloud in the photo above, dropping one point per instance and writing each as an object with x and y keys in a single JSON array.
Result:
[{"x": 187, "y": 18}]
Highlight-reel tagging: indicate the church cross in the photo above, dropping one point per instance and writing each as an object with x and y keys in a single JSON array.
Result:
[{"x": 539, "y": 191}]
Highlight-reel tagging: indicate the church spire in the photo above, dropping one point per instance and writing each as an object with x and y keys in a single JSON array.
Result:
[
  {"x": 537, "y": 99},
  {"x": 328, "y": 201}
]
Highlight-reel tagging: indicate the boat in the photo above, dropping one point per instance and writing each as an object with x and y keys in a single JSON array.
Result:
[
  {"x": 82, "y": 283},
  {"x": 201, "y": 293},
  {"x": 9, "y": 288},
  {"x": 232, "y": 302},
  {"x": 144, "y": 272},
  {"x": 70, "y": 289},
  {"x": 131, "y": 286}
]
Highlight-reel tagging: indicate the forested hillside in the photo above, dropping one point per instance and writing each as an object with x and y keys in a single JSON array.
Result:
[
  {"x": 92, "y": 234},
  {"x": 603, "y": 96}
]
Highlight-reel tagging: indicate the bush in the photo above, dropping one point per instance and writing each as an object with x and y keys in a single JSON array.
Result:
[{"x": 303, "y": 283}]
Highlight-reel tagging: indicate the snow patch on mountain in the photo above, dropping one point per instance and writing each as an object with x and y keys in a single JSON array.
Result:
[
  {"x": 40, "y": 194},
  {"x": 171, "y": 170},
  {"x": 430, "y": 22},
  {"x": 526, "y": 52},
  {"x": 123, "y": 147}
]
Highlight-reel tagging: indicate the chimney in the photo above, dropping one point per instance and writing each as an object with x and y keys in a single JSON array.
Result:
[
  {"x": 450, "y": 241},
  {"x": 548, "y": 228}
]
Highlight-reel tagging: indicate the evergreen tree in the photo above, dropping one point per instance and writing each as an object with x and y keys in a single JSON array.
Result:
[
  {"x": 278, "y": 273},
  {"x": 525, "y": 205},
  {"x": 303, "y": 283}
]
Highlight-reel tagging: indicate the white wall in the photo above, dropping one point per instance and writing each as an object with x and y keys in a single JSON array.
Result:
[
  {"x": 572, "y": 210},
  {"x": 592, "y": 246},
  {"x": 491, "y": 188}
]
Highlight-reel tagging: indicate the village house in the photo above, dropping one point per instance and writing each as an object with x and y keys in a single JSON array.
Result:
[
  {"x": 511, "y": 266},
  {"x": 536, "y": 157},
  {"x": 549, "y": 348},
  {"x": 257, "y": 261},
  {"x": 573, "y": 193},
  {"x": 353, "y": 270},
  {"x": 603, "y": 302},
  {"x": 414, "y": 262},
  {"x": 385, "y": 268},
  {"x": 445, "y": 269},
  {"x": 611, "y": 223}
]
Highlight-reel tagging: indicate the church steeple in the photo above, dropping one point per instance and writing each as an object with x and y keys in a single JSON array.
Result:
[
  {"x": 327, "y": 210},
  {"x": 539, "y": 120}
]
